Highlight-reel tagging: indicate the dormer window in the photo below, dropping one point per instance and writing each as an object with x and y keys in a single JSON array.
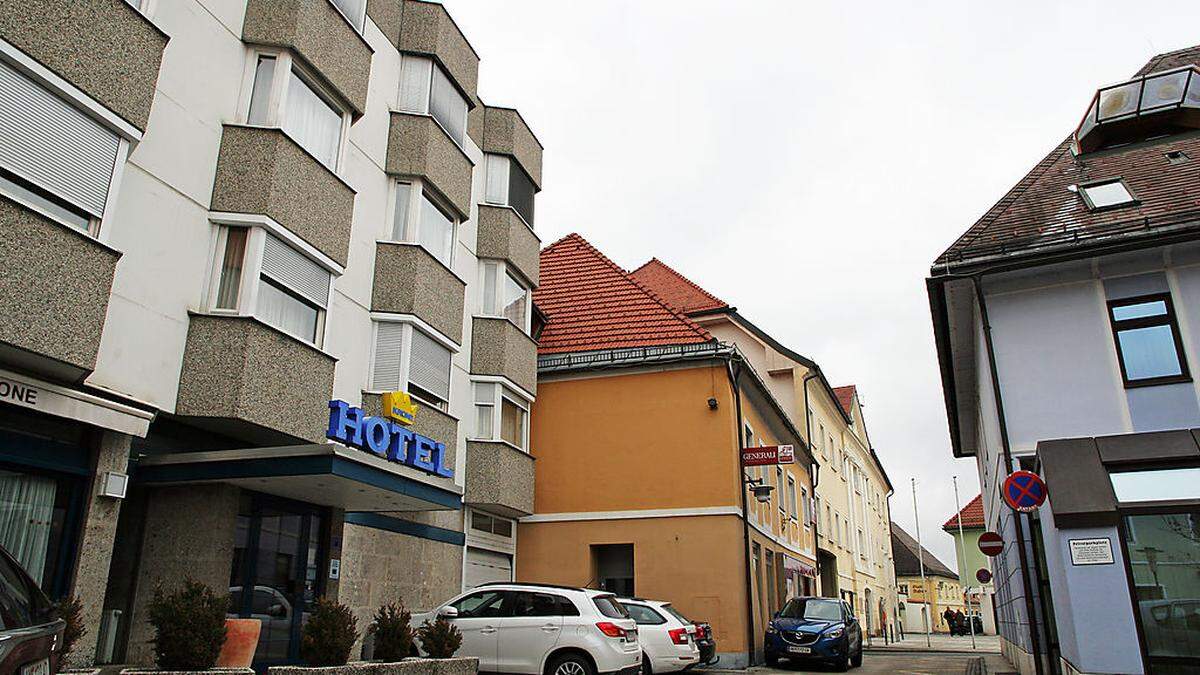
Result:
[
  {"x": 1106, "y": 194},
  {"x": 1140, "y": 108}
]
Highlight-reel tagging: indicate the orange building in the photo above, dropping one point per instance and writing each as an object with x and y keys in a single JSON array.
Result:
[{"x": 637, "y": 432}]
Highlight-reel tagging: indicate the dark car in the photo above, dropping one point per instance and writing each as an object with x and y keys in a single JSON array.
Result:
[
  {"x": 30, "y": 631},
  {"x": 815, "y": 629},
  {"x": 706, "y": 642}
]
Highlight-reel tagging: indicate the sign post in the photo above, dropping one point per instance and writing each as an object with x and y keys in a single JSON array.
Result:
[{"x": 962, "y": 547}]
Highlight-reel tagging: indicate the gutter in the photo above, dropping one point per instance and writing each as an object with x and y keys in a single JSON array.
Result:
[{"x": 734, "y": 373}]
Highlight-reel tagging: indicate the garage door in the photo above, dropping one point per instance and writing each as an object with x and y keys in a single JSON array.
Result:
[{"x": 484, "y": 566}]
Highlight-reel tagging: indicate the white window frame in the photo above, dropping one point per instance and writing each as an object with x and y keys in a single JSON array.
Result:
[
  {"x": 257, "y": 228},
  {"x": 501, "y": 389},
  {"x": 358, "y": 27},
  {"x": 410, "y": 323},
  {"x": 417, "y": 190},
  {"x": 488, "y": 163},
  {"x": 277, "y": 99},
  {"x": 502, "y": 270},
  {"x": 428, "y": 98},
  {"x": 490, "y": 540}
]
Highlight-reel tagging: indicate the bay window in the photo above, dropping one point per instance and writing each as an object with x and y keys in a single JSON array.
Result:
[
  {"x": 54, "y": 158},
  {"x": 504, "y": 294},
  {"x": 426, "y": 89},
  {"x": 501, "y": 414},
  {"x": 507, "y": 184},
  {"x": 418, "y": 217},
  {"x": 283, "y": 96},
  {"x": 409, "y": 358},
  {"x": 259, "y": 274}
]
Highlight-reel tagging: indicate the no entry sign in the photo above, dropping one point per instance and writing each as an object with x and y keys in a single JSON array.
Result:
[
  {"x": 991, "y": 544},
  {"x": 1024, "y": 491},
  {"x": 983, "y": 575}
]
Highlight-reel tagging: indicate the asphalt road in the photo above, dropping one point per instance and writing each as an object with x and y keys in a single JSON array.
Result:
[{"x": 890, "y": 662}]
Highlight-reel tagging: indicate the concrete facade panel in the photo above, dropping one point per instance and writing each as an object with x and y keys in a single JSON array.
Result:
[
  {"x": 417, "y": 146},
  {"x": 113, "y": 55},
  {"x": 321, "y": 36},
  {"x": 503, "y": 234},
  {"x": 505, "y": 132},
  {"x": 237, "y": 368},
  {"x": 408, "y": 280},
  {"x": 499, "y": 478},
  {"x": 498, "y": 347},
  {"x": 263, "y": 171},
  {"x": 429, "y": 422},
  {"x": 427, "y": 28},
  {"x": 55, "y": 289}
]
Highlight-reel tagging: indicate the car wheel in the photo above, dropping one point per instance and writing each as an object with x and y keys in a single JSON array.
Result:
[
  {"x": 857, "y": 660},
  {"x": 647, "y": 669},
  {"x": 843, "y": 664},
  {"x": 570, "y": 664}
]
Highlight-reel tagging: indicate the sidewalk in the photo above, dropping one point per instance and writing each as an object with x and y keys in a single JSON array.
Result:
[{"x": 940, "y": 642}]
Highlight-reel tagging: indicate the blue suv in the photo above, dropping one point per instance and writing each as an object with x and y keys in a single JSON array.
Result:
[{"x": 815, "y": 629}]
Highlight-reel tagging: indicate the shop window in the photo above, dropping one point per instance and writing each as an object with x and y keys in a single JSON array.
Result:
[
  {"x": 426, "y": 89},
  {"x": 410, "y": 359},
  {"x": 419, "y": 217},
  {"x": 296, "y": 104},
  {"x": 1164, "y": 565},
  {"x": 259, "y": 274},
  {"x": 505, "y": 294},
  {"x": 501, "y": 414},
  {"x": 1146, "y": 333},
  {"x": 508, "y": 185},
  {"x": 33, "y": 509}
]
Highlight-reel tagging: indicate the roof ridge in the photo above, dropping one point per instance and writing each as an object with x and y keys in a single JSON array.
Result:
[{"x": 684, "y": 279}]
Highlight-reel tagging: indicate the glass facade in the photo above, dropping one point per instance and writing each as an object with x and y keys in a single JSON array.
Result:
[{"x": 1164, "y": 560}]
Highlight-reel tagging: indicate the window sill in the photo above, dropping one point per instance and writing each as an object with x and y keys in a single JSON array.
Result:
[
  {"x": 1158, "y": 381},
  {"x": 500, "y": 441},
  {"x": 237, "y": 315},
  {"x": 333, "y": 172},
  {"x": 459, "y": 146},
  {"x": 448, "y": 268},
  {"x": 87, "y": 236},
  {"x": 524, "y": 222},
  {"x": 424, "y": 405}
]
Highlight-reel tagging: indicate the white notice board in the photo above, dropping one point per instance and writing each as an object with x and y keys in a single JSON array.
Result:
[{"x": 1097, "y": 551}]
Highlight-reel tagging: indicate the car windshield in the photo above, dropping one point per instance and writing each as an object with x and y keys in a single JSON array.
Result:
[
  {"x": 812, "y": 608},
  {"x": 608, "y": 606}
]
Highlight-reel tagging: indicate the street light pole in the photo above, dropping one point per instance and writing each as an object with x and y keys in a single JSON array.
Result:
[
  {"x": 962, "y": 554},
  {"x": 921, "y": 562}
]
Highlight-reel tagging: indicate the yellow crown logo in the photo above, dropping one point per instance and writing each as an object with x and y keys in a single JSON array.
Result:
[{"x": 399, "y": 406}]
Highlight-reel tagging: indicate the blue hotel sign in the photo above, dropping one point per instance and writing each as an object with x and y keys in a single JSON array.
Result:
[{"x": 381, "y": 436}]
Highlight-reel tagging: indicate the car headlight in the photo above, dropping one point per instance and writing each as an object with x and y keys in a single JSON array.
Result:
[
  {"x": 771, "y": 629},
  {"x": 835, "y": 633}
]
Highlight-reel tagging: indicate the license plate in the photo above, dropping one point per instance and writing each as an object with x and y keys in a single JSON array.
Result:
[
  {"x": 799, "y": 650},
  {"x": 38, "y": 668}
]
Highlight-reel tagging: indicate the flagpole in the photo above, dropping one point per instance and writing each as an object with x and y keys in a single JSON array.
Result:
[
  {"x": 921, "y": 562},
  {"x": 962, "y": 546}
]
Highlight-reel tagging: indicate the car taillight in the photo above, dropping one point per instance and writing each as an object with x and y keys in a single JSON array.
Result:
[
  {"x": 611, "y": 629},
  {"x": 700, "y": 632},
  {"x": 678, "y": 636}
]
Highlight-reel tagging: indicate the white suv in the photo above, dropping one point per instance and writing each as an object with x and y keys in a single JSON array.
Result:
[
  {"x": 668, "y": 638},
  {"x": 537, "y": 629}
]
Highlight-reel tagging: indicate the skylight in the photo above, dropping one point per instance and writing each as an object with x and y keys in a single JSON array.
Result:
[
  {"x": 1106, "y": 194},
  {"x": 1142, "y": 107}
]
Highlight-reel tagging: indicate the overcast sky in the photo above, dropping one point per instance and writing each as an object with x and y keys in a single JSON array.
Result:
[{"x": 806, "y": 162}]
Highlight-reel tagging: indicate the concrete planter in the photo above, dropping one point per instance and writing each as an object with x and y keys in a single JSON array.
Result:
[
  {"x": 452, "y": 666},
  {"x": 80, "y": 671},
  {"x": 241, "y": 641}
]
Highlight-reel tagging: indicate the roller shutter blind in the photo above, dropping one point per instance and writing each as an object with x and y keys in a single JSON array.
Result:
[
  {"x": 287, "y": 266},
  {"x": 429, "y": 366},
  {"x": 389, "y": 341},
  {"x": 414, "y": 83},
  {"x": 51, "y": 144}
]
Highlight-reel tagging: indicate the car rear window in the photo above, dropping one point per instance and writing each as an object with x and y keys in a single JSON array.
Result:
[
  {"x": 608, "y": 606},
  {"x": 675, "y": 613},
  {"x": 643, "y": 615}
]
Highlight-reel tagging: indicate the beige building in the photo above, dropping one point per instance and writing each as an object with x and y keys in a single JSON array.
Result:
[
  {"x": 927, "y": 597},
  {"x": 849, "y": 513}
]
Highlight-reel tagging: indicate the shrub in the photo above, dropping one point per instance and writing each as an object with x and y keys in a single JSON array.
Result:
[
  {"x": 70, "y": 609},
  {"x": 439, "y": 638},
  {"x": 329, "y": 634},
  {"x": 189, "y": 626},
  {"x": 393, "y": 632}
]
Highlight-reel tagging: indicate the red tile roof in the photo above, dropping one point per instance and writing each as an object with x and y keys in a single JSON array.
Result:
[
  {"x": 593, "y": 304},
  {"x": 679, "y": 291},
  {"x": 845, "y": 396},
  {"x": 972, "y": 516},
  {"x": 1042, "y": 211}
]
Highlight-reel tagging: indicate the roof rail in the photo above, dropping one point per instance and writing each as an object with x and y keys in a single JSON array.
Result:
[{"x": 534, "y": 583}]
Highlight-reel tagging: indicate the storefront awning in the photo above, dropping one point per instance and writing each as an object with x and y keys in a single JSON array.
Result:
[
  {"x": 791, "y": 564},
  {"x": 320, "y": 473}
]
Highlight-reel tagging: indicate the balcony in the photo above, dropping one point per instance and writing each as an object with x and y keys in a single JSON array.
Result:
[
  {"x": 245, "y": 379},
  {"x": 499, "y": 348},
  {"x": 503, "y": 234},
  {"x": 53, "y": 294},
  {"x": 408, "y": 280},
  {"x": 104, "y": 47},
  {"x": 427, "y": 28},
  {"x": 417, "y": 146},
  {"x": 499, "y": 478},
  {"x": 263, "y": 171},
  {"x": 505, "y": 132},
  {"x": 319, "y": 33},
  {"x": 1163, "y": 102}
]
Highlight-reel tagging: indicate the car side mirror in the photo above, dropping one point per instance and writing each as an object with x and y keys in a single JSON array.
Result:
[{"x": 448, "y": 613}]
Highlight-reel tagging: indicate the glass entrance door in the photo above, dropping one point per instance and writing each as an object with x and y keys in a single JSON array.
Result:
[
  {"x": 275, "y": 575},
  {"x": 1163, "y": 550}
]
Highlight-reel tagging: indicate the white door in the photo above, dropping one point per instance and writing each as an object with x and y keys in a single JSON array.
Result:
[
  {"x": 483, "y": 566},
  {"x": 529, "y": 630}
]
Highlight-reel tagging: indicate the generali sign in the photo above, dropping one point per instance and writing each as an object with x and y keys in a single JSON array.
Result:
[{"x": 765, "y": 455}]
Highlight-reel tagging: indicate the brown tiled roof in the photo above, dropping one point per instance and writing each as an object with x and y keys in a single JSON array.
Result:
[
  {"x": 1041, "y": 212},
  {"x": 593, "y": 304},
  {"x": 971, "y": 514},
  {"x": 845, "y": 396},
  {"x": 904, "y": 555},
  {"x": 676, "y": 289}
]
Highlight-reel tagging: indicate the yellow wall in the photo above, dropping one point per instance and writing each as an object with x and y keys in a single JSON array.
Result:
[{"x": 946, "y": 593}]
